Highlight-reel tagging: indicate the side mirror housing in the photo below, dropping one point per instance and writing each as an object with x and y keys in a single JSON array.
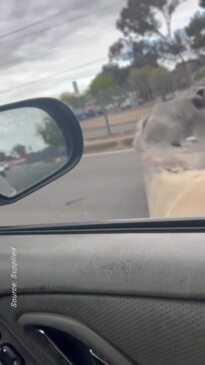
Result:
[{"x": 40, "y": 140}]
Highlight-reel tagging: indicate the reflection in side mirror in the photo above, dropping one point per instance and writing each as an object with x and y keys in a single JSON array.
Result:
[
  {"x": 40, "y": 140},
  {"x": 32, "y": 148}
]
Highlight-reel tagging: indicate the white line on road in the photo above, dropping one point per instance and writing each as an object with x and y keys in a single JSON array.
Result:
[{"x": 108, "y": 153}]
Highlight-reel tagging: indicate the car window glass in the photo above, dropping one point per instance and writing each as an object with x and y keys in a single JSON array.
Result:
[{"x": 133, "y": 73}]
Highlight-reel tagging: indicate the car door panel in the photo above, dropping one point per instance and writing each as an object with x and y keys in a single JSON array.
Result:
[
  {"x": 142, "y": 295},
  {"x": 153, "y": 264},
  {"x": 146, "y": 330}
]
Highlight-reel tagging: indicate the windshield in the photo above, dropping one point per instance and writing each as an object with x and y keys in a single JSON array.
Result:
[{"x": 133, "y": 72}]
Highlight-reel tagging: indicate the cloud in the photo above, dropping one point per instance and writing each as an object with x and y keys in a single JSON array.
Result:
[
  {"x": 69, "y": 40},
  {"x": 51, "y": 26},
  {"x": 60, "y": 40}
]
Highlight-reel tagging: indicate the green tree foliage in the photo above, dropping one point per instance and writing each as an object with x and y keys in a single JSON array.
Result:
[
  {"x": 119, "y": 74},
  {"x": 146, "y": 74},
  {"x": 200, "y": 74},
  {"x": 2, "y": 156},
  {"x": 102, "y": 81},
  {"x": 143, "y": 53},
  {"x": 159, "y": 71},
  {"x": 140, "y": 74},
  {"x": 72, "y": 100},
  {"x": 19, "y": 149},
  {"x": 115, "y": 51},
  {"x": 143, "y": 18},
  {"x": 151, "y": 81},
  {"x": 174, "y": 48},
  {"x": 202, "y": 3},
  {"x": 195, "y": 31},
  {"x": 51, "y": 134}
]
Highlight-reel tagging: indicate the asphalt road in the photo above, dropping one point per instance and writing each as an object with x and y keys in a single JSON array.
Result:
[
  {"x": 103, "y": 186},
  {"x": 26, "y": 175}
]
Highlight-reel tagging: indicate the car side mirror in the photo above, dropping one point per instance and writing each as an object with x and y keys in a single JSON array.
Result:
[{"x": 40, "y": 140}]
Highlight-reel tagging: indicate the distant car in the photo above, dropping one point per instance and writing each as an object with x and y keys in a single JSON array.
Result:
[
  {"x": 83, "y": 114},
  {"x": 99, "y": 111},
  {"x": 126, "y": 104},
  {"x": 91, "y": 113},
  {"x": 6, "y": 165},
  {"x": 140, "y": 102},
  {"x": 2, "y": 169},
  {"x": 112, "y": 107}
]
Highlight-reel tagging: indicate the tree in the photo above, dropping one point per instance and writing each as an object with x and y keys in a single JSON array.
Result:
[
  {"x": 200, "y": 74},
  {"x": 72, "y": 100},
  {"x": 159, "y": 71},
  {"x": 115, "y": 51},
  {"x": 19, "y": 149},
  {"x": 140, "y": 53},
  {"x": 140, "y": 75},
  {"x": 195, "y": 31},
  {"x": 150, "y": 81},
  {"x": 174, "y": 49},
  {"x": 143, "y": 18},
  {"x": 202, "y": 3},
  {"x": 120, "y": 75},
  {"x": 146, "y": 73},
  {"x": 2, "y": 156},
  {"x": 51, "y": 134},
  {"x": 102, "y": 81}
]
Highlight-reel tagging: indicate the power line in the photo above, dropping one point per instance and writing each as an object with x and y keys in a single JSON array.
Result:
[
  {"x": 49, "y": 52},
  {"x": 87, "y": 39},
  {"x": 41, "y": 21},
  {"x": 38, "y": 30},
  {"x": 67, "y": 71},
  {"x": 54, "y": 76}
]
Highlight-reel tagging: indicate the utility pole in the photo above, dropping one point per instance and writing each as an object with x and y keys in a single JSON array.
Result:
[
  {"x": 107, "y": 122},
  {"x": 77, "y": 92}
]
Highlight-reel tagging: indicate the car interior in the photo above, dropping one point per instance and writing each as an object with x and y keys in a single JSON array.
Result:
[
  {"x": 96, "y": 293},
  {"x": 121, "y": 296},
  {"x": 111, "y": 291}
]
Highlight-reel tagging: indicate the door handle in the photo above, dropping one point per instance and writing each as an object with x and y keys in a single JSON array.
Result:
[
  {"x": 108, "y": 354},
  {"x": 41, "y": 332}
]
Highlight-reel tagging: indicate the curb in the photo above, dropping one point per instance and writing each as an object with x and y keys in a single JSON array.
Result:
[{"x": 114, "y": 144}]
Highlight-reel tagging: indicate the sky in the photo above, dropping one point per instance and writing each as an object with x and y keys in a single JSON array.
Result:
[
  {"x": 15, "y": 129},
  {"x": 47, "y": 44}
]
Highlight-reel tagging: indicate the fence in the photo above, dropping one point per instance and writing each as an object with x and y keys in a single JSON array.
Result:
[{"x": 120, "y": 108}]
